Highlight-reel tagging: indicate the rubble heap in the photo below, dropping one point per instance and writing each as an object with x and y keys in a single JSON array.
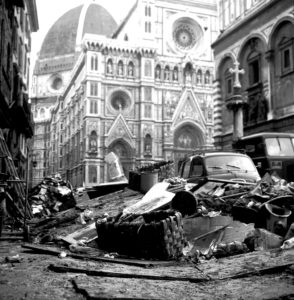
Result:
[{"x": 51, "y": 196}]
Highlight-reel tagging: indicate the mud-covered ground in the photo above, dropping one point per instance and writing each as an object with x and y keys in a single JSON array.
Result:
[{"x": 32, "y": 278}]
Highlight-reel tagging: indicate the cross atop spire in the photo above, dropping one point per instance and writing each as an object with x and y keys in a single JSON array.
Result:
[{"x": 236, "y": 71}]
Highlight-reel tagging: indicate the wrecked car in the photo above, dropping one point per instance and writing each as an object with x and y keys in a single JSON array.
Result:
[{"x": 218, "y": 164}]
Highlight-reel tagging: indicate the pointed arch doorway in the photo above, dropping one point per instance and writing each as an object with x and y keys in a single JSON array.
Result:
[
  {"x": 187, "y": 138},
  {"x": 125, "y": 153}
]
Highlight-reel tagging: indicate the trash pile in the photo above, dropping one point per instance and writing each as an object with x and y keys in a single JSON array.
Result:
[
  {"x": 51, "y": 196},
  {"x": 173, "y": 220}
]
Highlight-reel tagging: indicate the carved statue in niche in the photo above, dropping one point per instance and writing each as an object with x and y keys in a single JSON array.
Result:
[
  {"x": 157, "y": 73},
  {"x": 166, "y": 74},
  {"x": 188, "y": 76},
  {"x": 184, "y": 141},
  {"x": 120, "y": 69},
  {"x": 109, "y": 67},
  {"x": 199, "y": 77},
  {"x": 93, "y": 142},
  {"x": 131, "y": 70},
  {"x": 175, "y": 74}
]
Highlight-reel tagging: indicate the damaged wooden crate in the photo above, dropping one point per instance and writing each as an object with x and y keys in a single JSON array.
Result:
[{"x": 155, "y": 235}]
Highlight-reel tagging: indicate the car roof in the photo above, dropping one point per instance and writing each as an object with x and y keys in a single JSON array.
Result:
[
  {"x": 268, "y": 134},
  {"x": 216, "y": 153}
]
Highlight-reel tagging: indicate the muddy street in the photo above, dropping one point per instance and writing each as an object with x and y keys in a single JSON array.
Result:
[{"x": 34, "y": 275}]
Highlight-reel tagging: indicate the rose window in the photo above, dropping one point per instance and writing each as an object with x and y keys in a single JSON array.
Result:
[{"x": 184, "y": 37}]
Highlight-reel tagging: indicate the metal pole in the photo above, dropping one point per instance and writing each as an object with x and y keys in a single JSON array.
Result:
[{"x": 27, "y": 189}]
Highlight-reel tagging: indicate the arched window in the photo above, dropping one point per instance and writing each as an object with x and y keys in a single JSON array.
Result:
[
  {"x": 207, "y": 77},
  {"x": 146, "y": 10},
  {"x": 253, "y": 61},
  {"x": 109, "y": 68},
  {"x": 94, "y": 62},
  {"x": 120, "y": 68},
  {"x": 147, "y": 68},
  {"x": 149, "y": 11},
  {"x": 148, "y": 145},
  {"x": 126, "y": 37},
  {"x": 146, "y": 26},
  {"x": 228, "y": 83},
  {"x": 199, "y": 77},
  {"x": 149, "y": 27}
]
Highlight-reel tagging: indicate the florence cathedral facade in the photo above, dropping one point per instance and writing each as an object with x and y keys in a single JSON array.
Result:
[{"x": 142, "y": 88}]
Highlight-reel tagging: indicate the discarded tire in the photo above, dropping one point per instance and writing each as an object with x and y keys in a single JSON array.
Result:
[
  {"x": 185, "y": 202},
  {"x": 158, "y": 235}
]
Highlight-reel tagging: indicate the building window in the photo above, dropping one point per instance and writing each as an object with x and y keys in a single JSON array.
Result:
[
  {"x": 94, "y": 62},
  {"x": 93, "y": 106},
  {"x": 92, "y": 174},
  {"x": 147, "y": 68},
  {"x": 228, "y": 83},
  {"x": 147, "y": 111},
  {"x": 93, "y": 89},
  {"x": 254, "y": 71},
  {"x": 286, "y": 50},
  {"x": 148, "y": 27}
]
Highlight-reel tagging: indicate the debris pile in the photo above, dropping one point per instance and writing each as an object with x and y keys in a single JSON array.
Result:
[
  {"x": 51, "y": 196},
  {"x": 174, "y": 219}
]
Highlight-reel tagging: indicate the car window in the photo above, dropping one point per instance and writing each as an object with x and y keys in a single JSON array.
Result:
[
  {"x": 221, "y": 163},
  {"x": 197, "y": 167},
  {"x": 186, "y": 169},
  {"x": 279, "y": 146}
]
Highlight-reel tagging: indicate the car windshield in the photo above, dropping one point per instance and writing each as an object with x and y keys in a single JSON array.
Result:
[{"x": 217, "y": 164}]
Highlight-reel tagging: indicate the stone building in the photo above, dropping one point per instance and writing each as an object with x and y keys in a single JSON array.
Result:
[
  {"x": 142, "y": 88},
  {"x": 256, "y": 48},
  {"x": 18, "y": 19}
]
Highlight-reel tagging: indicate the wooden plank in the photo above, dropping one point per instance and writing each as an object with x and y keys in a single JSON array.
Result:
[
  {"x": 64, "y": 269},
  {"x": 131, "y": 262},
  {"x": 262, "y": 271}
]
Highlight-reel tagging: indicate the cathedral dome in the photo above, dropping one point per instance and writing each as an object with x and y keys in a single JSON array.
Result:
[{"x": 69, "y": 29}]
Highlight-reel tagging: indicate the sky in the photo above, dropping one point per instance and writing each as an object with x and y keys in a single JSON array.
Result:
[{"x": 50, "y": 11}]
